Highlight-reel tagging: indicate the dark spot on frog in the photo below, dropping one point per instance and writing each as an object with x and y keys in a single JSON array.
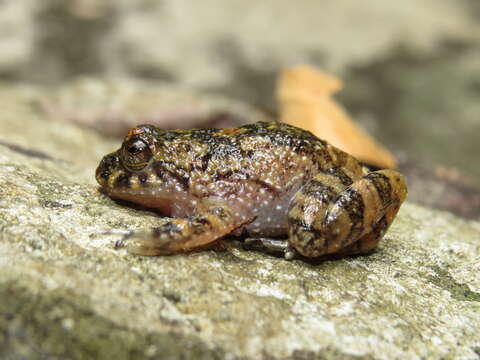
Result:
[
  {"x": 205, "y": 160},
  {"x": 301, "y": 224},
  {"x": 142, "y": 178},
  {"x": 224, "y": 175},
  {"x": 165, "y": 170},
  {"x": 340, "y": 175},
  {"x": 352, "y": 202},
  {"x": 221, "y": 213},
  {"x": 168, "y": 228},
  {"x": 200, "y": 221},
  {"x": 123, "y": 180},
  {"x": 383, "y": 186},
  {"x": 269, "y": 188},
  {"x": 354, "y": 206}
]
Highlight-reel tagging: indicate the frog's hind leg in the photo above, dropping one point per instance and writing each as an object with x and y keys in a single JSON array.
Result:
[
  {"x": 340, "y": 212},
  {"x": 177, "y": 235},
  {"x": 367, "y": 243}
]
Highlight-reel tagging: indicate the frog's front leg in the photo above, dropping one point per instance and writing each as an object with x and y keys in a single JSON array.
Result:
[
  {"x": 177, "y": 235},
  {"x": 340, "y": 212}
]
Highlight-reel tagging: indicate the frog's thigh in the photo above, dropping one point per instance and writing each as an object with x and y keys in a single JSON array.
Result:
[
  {"x": 309, "y": 207},
  {"x": 180, "y": 235},
  {"x": 369, "y": 241},
  {"x": 361, "y": 211}
]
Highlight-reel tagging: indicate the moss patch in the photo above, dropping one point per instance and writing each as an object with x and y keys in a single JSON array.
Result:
[{"x": 458, "y": 291}]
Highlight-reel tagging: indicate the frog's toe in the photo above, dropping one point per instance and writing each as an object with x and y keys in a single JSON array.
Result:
[
  {"x": 122, "y": 242},
  {"x": 146, "y": 243},
  {"x": 290, "y": 253},
  {"x": 273, "y": 246}
]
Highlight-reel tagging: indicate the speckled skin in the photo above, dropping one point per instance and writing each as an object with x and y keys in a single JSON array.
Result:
[{"x": 261, "y": 180}]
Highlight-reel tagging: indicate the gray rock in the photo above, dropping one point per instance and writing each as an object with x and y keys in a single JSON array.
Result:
[{"x": 66, "y": 293}]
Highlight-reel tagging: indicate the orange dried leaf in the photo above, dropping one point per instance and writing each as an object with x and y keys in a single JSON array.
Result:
[{"x": 305, "y": 100}]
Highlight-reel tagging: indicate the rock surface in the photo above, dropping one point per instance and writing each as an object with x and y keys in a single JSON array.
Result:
[{"x": 66, "y": 293}]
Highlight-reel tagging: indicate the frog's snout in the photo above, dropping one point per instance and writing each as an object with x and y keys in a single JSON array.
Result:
[{"x": 106, "y": 168}]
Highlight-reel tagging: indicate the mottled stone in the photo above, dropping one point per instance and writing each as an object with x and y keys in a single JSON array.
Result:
[{"x": 67, "y": 293}]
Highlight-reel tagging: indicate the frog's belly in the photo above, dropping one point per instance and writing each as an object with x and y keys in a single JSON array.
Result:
[
  {"x": 271, "y": 224},
  {"x": 271, "y": 217}
]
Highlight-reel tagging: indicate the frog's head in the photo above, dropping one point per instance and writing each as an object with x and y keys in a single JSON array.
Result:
[{"x": 128, "y": 172}]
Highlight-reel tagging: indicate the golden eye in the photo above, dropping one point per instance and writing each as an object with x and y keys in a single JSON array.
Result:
[{"x": 136, "y": 154}]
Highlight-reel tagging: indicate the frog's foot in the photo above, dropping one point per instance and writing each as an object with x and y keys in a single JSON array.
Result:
[
  {"x": 271, "y": 246},
  {"x": 338, "y": 212},
  {"x": 177, "y": 235}
]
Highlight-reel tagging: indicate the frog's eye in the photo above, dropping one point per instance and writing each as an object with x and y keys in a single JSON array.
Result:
[{"x": 136, "y": 154}]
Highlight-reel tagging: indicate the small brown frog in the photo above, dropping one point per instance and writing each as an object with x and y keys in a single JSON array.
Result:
[{"x": 277, "y": 184}]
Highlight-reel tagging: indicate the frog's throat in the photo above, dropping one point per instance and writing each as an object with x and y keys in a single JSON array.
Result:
[{"x": 145, "y": 197}]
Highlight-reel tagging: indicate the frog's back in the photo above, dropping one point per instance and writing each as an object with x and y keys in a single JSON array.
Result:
[
  {"x": 259, "y": 167},
  {"x": 273, "y": 154}
]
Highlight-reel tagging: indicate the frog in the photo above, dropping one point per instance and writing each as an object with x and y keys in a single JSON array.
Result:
[{"x": 279, "y": 187}]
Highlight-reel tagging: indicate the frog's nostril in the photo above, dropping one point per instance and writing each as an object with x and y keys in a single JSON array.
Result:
[
  {"x": 104, "y": 169},
  {"x": 102, "y": 175}
]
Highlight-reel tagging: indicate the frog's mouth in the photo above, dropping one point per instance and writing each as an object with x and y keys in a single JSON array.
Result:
[
  {"x": 137, "y": 188},
  {"x": 146, "y": 198},
  {"x": 108, "y": 170}
]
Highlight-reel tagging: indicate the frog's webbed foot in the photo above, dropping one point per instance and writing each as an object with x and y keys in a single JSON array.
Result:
[
  {"x": 279, "y": 247},
  {"x": 177, "y": 235},
  {"x": 122, "y": 242},
  {"x": 341, "y": 212}
]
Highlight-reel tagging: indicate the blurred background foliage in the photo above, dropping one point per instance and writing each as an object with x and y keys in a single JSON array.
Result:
[{"x": 411, "y": 69}]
